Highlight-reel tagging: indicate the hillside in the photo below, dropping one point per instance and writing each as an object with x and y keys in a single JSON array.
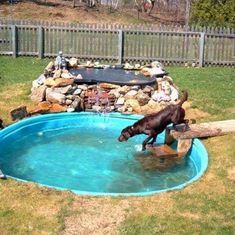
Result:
[{"x": 81, "y": 14}]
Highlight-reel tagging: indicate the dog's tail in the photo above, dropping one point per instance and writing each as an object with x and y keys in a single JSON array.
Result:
[{"x": 183, "y": 98}]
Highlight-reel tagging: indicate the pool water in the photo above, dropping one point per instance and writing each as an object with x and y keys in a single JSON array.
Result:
[{"x": 80, "y": 152}]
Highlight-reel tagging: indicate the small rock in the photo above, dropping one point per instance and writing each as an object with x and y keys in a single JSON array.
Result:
[
  {"x": 82, "y": 87},
  {"x": 73, "y": 62},
  {"x": 157, "y": 64},
  {"x": 115, "y": 93},
  {"x": 77, "y": 104},
  {"x": 129, "y": 110},
  {"x": 57, "y": 73},
  {"x": 70, "y": 110},
  {"x": 68, "y": 102},
  {"x": 2, "y": 176},
  {"x": 148, "y": 89},
  {"x": 97, "y": 108},
  {"x": 160, "y": 96},
  {"x": 40, "y": 80},
  {"x": 174, "y": 94},
  {"x": 136, "y": 87},
  {"x": 79, "y": 77},
  {"x": 108, "y": 86},
  {"x": 124, "y": 89},
  {"x": 122, "y": 109},
  {"x": 67, "y": 75},
  {"x": 77, "y": 91},
  {"x": 35, "y": 84},
  {"x": 50, "y": 66},
  {"x": 70, "y": 97},
  {"x": 120, "y": 101}
]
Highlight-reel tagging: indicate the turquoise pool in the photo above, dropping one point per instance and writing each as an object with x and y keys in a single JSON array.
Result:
[{"x": 80, "y": 152}]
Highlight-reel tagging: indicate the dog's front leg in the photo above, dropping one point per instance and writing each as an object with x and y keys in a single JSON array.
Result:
[
  {"x": 153, "y": 140},
  {"x": 145, "y": 142}
]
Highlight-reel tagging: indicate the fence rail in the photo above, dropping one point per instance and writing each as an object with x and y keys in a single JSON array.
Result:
[{"x": 118, "y": 44}]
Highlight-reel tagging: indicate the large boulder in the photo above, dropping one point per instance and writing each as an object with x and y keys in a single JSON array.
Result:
[
  {"x": 142, "y": 98},
  {"x": 151, "y": 107},
  {"x": 134, "y": 104},
  {"x": 131, "y": 94},
  {"x": 57, "y": 73},
  {"x": 55, "y": 97},
  {"x": 19, "y": 113},
  {"x": 38, "y": 94},
  {"x": 49, "y": 82},
  {"x": 120, "y": 101},
  {"x": 61, "y": 82},
  {"x": 64, "y": 90},
  {"x": 57, "y": 108},
  {"x": 50, "y": 66}
]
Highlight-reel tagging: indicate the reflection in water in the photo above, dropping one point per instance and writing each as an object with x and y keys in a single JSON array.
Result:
[{"x": 149, "y": 161}]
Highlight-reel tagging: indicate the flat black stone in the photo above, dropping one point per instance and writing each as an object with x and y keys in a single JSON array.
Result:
[{"x": 113, "y": 76}]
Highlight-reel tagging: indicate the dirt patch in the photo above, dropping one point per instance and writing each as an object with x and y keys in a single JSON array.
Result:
[
  {"x": 231, "y": 174},
  {"x": 63, "y": 11},
  {"x": 96, "y": 216},
  {"x": 190, "y": 215},
  {"x": 104, "y": 215},
  {"x": 196, "y": 114}
]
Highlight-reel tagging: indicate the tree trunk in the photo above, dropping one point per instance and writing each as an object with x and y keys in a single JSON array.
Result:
[
  {"x": 73, "y": 3},
  {"x": 187, "y": 14}
]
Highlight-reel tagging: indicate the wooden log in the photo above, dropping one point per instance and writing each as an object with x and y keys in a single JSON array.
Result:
[{"x": 203, "y": 130}]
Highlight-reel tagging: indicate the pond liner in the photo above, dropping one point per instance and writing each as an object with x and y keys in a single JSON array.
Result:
[{"x": 113, "y": 76}]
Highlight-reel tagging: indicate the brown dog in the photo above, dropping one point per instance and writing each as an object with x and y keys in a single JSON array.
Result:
[{"x": 155, "y": 123}]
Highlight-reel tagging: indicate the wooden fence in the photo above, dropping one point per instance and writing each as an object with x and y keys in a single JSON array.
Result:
[{"x": 118, "y": 43}]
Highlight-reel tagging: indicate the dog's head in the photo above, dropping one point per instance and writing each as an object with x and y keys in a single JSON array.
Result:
[{"x": 126, "y": 134}]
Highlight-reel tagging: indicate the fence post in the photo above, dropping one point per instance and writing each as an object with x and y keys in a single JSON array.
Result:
[
  {"x": 202, "y": 47},
  {"x": 120, "y": 46},
  {"x": 40, "y": 42},
  {"x": 14, "y": 41}
]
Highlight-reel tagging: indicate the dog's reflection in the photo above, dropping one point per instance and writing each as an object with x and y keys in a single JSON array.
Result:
[{"x": 150, "y": 162}]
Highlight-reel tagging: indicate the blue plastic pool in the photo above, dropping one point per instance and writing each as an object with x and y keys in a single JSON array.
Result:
[{"x": 80, "y": 152}]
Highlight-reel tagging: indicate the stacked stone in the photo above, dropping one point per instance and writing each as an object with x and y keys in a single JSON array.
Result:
[{"x": 56, "y": 91}]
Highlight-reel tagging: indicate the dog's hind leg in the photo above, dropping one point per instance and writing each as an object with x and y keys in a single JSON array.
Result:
[{"x": 153, "y": 140}]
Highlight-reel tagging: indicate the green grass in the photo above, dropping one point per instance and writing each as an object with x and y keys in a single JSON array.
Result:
[
  {"x": 20, "y": 70},
  {"x": 205, "y": 207},
  {"x": 210, "y": 89}
]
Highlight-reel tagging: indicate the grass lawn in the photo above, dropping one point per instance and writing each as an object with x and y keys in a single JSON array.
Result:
[{"x": 204, "y": 207}]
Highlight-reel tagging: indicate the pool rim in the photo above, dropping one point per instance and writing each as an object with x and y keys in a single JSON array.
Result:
[{"x": 22, "y": 123}]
